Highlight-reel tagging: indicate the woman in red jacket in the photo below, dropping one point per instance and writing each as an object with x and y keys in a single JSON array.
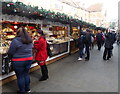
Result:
[{"x": 41, "y": 54}]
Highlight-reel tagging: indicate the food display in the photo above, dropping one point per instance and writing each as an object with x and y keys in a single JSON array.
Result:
[
  {"x": 4, "y": 47},
  {"x": 5, "y": 39},
  {"x": 74, "y": 39},
  {"x": 75, "y": 33},
  {"x": 56, "y": 34},
  {"x": 32, "y": 31},
  {"x": 7, "y": 33},
  {"x": 57, "y": 37}
]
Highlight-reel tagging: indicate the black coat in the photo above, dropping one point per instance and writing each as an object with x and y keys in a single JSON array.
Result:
[
  {"x": 99, "y": 37},
  {"x": 109, "y": 40},
  {"x": 81, "y": 42},
  {"x": 87, "y": 39}
]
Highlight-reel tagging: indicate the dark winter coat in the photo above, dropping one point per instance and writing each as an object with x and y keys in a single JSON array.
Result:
[
  {"x": 41, "y": 46},
  {"x": 114, "y": 34},
  {"x": 99, "y": 37},
  {"x": 87, "y": 39},
  {"x": 109, "y": 40},
  {"x": 19, "y": 50},
  {"x": 81, "y": 42}
]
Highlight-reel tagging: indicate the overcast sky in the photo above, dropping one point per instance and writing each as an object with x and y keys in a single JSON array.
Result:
[{"x": 110, "y": 5}]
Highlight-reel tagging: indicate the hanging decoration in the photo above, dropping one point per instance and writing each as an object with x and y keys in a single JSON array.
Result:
[{"x": 32, "y": 12}]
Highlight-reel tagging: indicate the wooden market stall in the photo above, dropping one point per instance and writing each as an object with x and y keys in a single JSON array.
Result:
[{"x": 56, "y": 35}]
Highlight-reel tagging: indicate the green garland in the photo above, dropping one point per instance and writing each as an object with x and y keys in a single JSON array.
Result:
[{"x": 19, "y": 8}]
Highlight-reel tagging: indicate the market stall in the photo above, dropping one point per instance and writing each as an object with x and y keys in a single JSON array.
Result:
[
  {"x": 56, "y": 35},
  {"x": 74, "y": 39},
  {"x": 7, "y": 33}
]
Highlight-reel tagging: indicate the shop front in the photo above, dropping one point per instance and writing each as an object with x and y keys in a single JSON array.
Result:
[
  {"x": 56, "y": 36},
  {"x": 75, "y": 32}
]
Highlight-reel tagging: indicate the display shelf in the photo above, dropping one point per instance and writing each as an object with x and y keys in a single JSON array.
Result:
[
  {"x": 58, "y": 44},
  {"x": 74, "y": 46}
]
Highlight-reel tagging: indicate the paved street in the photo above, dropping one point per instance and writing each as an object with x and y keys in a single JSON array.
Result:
[{"x": 71, "y": 75}]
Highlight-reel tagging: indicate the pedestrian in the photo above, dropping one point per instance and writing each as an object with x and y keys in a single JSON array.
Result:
[
  {"x": 81, "y": 45},
  {"x": 87, "y": 42},
  {"x": 92, "y": 40},
  {"x": 109, "y": 41},
  {"x": 118, "y": 38},
  {"x": 20, "y": 52},
  {"x": 99, "y": 39},
  {"x": 41, "y": 54},
  {"x": 114, "y": 37},
  {"x": 103, "y": 38}
]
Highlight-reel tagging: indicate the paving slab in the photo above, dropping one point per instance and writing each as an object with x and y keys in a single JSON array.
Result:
[{"x": 70, "y": 75}]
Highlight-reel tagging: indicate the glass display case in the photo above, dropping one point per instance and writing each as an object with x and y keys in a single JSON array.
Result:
[
  {"x": 74, "y": 39},
  {"x": 7, "y": 33},
  {"x": 57, "y": 37}
]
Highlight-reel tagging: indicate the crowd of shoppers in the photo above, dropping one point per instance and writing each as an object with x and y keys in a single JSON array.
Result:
[
  {"x": 87, "y": 40},
  {"x": 21, "y": 52}
]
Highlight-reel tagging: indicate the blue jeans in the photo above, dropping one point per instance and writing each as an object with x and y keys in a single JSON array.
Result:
[
  {"x": 81, "y": 52},
  {"x": 107, "y": 53},
  {"x": 21, "y": 69},
  {"x": 87, "y": 51}
]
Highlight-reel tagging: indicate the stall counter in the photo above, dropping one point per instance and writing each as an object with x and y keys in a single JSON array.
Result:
[{"x": 58, "y": 49}]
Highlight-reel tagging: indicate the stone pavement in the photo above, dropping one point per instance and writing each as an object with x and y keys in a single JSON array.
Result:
[{"x": 71, "y": 75}]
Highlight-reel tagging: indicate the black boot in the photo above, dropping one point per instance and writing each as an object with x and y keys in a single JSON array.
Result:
[{"x": 44, "y": 71}]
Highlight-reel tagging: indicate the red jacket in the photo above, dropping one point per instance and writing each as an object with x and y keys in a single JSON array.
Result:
[{"x": 41, "y": 46}]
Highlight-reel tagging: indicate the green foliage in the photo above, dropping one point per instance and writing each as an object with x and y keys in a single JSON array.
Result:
[{"x": 19, "y": 8}]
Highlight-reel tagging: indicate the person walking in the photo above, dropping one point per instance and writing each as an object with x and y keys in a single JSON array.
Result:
[
  {"x": 92, "y": 40},
  {"x": 118, "y": 38},
  {"x": 41, "y": 54},
  {"x": 99, "y": 39},
  {"x": 114, "y": 37},
  {"x": 87, "y": 42},
  {"x": 20, "y": 52},
  {"x": 109, "y": 41},
  {"x": 103, "y": 38},
  {"x": 81, "y": 45}
]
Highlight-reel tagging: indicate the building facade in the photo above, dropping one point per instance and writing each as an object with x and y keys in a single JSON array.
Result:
[{"x": 93, "y": 14}]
